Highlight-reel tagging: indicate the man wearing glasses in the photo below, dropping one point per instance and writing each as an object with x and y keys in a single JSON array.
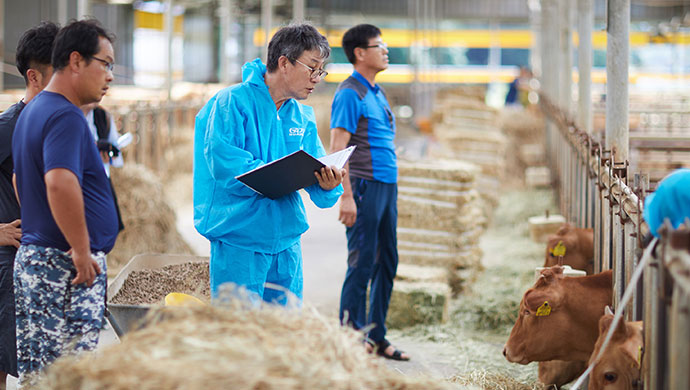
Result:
[
  {"x": 361, "y": 116},
  {"x": 68, "y": 213},
  {"x": 255, "y": 241}
]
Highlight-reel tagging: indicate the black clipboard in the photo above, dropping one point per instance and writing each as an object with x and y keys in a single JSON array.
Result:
[{"x": 290, "y": 173}]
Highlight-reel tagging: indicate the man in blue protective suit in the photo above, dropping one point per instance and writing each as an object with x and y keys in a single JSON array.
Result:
[
  {"x": 361, "y": 116},
  {"x": 255, "y": 241},
  {"x": 671, "y": 201}
]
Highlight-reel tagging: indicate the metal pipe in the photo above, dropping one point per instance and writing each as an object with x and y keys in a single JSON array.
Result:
[
  {"x": 298, "y": 10},
  {"x": 83, "y": 8},
  {"x": 169, "y": 27},
  {"x": 584, "y": 64},
  {"x": 266, "y": 23},
  {"x": 617, "y": 52},
  {"x": 566, "y": 55},
  {"x": 62, "y": 14},
  {"x": 223, "y": 12}
]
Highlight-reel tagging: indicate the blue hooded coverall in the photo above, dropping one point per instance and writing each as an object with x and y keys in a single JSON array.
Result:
[
  {"x": 670, "y": 200},
  {"x": 254, "y": 239}
]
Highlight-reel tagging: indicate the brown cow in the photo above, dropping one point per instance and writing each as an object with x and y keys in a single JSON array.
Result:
[
  {"x": 558, "y": 318},
  {"x": 619, "y": 365},
  {"x": 556, "y": 373},
  {"x": 579, "y": 248}
]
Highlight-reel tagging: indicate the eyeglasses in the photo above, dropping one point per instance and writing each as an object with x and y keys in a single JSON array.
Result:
[
  {"x": 108, "y": 65},
  {"x": 382, "y": 45},
  {"x": 315, "y": 73}
]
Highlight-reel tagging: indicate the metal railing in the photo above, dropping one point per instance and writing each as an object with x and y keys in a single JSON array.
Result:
[
  {"x": 153, "y": 124},
  {"x": 596, "y": 192}
]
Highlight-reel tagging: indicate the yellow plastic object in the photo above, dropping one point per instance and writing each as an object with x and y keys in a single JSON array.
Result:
[
  {"x": 544, "y": 309},
  {"x": 182, "y": 299},
  {"x": 558, "y": 250}
]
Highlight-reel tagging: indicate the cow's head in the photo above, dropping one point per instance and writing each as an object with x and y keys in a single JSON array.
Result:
[
  {"x": 568, "y": 239},
  {"x": 541, "y": 325},
  {"x": 619, "y": 365}
]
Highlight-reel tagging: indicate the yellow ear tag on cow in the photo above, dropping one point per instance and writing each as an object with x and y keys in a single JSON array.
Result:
[
  {"x": 558, "y": 250},
  {"x": 544, "y": 309},
  {"x": 639, "y": 355}
]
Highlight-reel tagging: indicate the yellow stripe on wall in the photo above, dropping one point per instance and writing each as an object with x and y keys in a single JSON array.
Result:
[
  {"x": 154, "y": 21},
  {"x": 519, "y": 39}
]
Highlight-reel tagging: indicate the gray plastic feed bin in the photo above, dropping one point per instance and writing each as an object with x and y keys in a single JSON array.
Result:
[{"x": 124, "y": 318}]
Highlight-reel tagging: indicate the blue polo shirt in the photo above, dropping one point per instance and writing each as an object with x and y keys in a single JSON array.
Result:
[
  {"x": 52, "y": 133},
  {"x": 363, "y": 110}
]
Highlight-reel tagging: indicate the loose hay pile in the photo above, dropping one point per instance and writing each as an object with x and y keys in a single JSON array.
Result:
[
  {"x": 485, "y": 381},
  {"x": 150, "y": 286},
  {"x": 233, "y": 348},
  {"x": 149, "y": 220}
]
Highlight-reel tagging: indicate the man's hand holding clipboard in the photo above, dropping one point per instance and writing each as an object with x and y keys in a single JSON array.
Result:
[{"x": 295, "y": 171}]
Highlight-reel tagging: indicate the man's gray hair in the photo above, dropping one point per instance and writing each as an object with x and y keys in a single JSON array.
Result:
[{"x": 293, "y": 40}]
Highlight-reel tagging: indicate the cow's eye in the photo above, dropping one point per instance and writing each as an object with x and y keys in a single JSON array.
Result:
[
  {"x": 526, "y": 312},
  {"x": 551, "y": 254},
  {"x": 610, "y": 377}
]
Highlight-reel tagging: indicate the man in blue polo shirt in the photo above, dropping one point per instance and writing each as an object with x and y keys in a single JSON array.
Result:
[
  {"x": 361, "y": 116},
  {"x": 68, "y": 215}
]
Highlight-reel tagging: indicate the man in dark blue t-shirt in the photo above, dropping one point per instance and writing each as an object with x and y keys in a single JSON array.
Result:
[
  {"x": 68, "y": 214},
  {"x": 361, "y": 116},
  {"x": 33, "y": 62}
]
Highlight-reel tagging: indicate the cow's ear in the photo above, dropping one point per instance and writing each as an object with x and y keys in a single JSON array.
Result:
[
  {"x": 605, "y": 323},
  {"x": 633, "y": 345},
  {"x": 534, "y": 299},
  {"x": 545, "y": 278},
  {"x": 564, "y": 229}
]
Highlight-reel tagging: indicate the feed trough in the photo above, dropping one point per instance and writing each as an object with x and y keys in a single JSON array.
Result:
[{"x": 123, "y": 317}]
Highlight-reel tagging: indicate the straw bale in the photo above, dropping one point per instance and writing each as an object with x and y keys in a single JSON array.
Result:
[
  {"x": 457, "y": 197},
  {"x": 415, "y": 303},
  {"x": 424, "y": 213},
  {"x": 536, "y": 177},
  {"x": 540, "y": 227},
  {"x": 469, "y": 258},
  {"x": 461, "y": 280},
  {"x": 525, "y": 126},
  {"x": 149, "y": 220},
  {"x": 532, "y": 154},
  {"x": 489, "y": 135},
  {"x": 233, "y": 347},
  {"x": 455, "y": 171},
  {"x": 418, "y": 273},
  {"x": 436, "y": 184},
  {"x": 420, "y": 245},
  {"x": 454, "y": 241},
  {"x": 474, "y": 92}
]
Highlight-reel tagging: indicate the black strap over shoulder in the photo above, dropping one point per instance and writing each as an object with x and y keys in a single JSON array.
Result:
[{"x": 100, "y": 119}]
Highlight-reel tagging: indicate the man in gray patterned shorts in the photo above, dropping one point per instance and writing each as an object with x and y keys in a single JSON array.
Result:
[{"x": 68, "y": 215}]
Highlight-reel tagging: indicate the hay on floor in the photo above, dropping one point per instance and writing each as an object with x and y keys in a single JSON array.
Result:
[{"x": 234, "y": 347}]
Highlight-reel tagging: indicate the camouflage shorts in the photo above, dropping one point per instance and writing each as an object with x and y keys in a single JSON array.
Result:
[{"x": 54, "y": 317}]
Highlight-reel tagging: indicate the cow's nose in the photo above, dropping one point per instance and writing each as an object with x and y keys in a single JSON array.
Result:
[{"x": 504, "y": 352}]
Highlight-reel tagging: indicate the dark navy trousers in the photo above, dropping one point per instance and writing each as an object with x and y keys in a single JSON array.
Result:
[{"x": 372, "y": 256}]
